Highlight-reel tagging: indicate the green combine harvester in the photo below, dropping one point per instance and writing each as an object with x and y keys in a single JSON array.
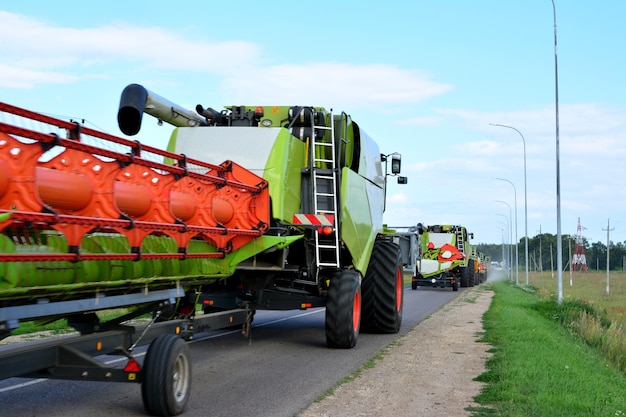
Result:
[
  {"x": 447, "y": 258},
  {"x": 249, "y": 208}
]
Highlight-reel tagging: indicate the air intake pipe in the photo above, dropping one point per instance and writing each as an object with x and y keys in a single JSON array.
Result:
[{"x": 136, "y": 100}]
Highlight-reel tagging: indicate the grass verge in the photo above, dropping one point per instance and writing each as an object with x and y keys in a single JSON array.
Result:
[{"x": 539, "y": 367}]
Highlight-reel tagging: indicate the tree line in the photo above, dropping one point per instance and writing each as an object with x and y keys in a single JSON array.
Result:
[{"x": 542, "y": 254}]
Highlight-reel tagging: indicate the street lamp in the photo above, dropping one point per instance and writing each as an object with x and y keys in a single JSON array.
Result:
[
  {"x": 502, "y": 234},
  {"x": 559, "y": 244},
  {"x": 509, "y": 260},
  {"x": 506, "y": 258},
  {"x": 516, "y": 239},
  {"x": 525, "y": 201},
  {"x": 510, "y": 226},
  {"x": 506, "y": 255}
]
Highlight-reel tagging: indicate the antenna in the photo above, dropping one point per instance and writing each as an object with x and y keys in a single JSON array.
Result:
[{"x": 579, "y": 250}]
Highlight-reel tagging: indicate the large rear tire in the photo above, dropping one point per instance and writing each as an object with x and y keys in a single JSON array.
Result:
[
  {"x": 464, "y": 276},
  {"x": 343, "y": 310},
  {"x": 167, "y": 376},
  {"x": 383, "y": 289}
]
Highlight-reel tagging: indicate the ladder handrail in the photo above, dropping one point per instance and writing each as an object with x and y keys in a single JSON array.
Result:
[
  {"x": 326, "y": 251},
  {"x": 459, "y": 239}
]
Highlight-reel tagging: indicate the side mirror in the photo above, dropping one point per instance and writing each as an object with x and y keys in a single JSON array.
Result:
[
  {"x": 396, "y": 160},
  {"x": 402, "y": 180}
]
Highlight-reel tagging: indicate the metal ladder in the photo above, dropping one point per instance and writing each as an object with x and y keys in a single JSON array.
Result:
[
  {"x": 324, "y": 173},
  {"x": 459, "y": 239}
]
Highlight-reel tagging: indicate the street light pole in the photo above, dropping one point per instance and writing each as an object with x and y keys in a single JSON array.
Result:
[
  {"x": 506, "y": 257},
  {"x": 559, "y": 244},
  {"x": 502, "y": 234},
  {"x": 525, "y": 201},
  {"x": 516, "y": 240},
  {"x": 510, "y": 227}
]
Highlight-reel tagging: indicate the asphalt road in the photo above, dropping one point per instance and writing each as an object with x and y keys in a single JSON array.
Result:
[{"x": 285, "y": 368}]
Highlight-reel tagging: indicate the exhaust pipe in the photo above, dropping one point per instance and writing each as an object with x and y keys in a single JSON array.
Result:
[{"x": 136, "y": 100}]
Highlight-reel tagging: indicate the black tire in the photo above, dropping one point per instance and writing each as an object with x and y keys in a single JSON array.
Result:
[
  {"x": 413, "y": 284},
  {"x": 476, "y": 272},
  {"x": 343, "y": 310},
  {"x": 166, "y": 382},
  {"x": 455, "y": 286},
  {"x": 383, "y": 290},
  {"x": 471, "y": 273},
  {"x": 464, "y": 276}
]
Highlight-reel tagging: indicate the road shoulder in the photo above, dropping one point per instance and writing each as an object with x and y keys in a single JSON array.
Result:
[{"x": 430, "y": 371}]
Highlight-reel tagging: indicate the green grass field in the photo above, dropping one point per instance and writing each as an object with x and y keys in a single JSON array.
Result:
[
  {"x": 541, "y": 365},
  {"x": 587, "y": 286}
]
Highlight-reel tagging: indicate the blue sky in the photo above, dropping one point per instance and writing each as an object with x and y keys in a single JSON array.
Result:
[{"x": 425, "y": 79}]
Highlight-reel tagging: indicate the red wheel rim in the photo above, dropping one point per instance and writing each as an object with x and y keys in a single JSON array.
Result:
[
  {"x": 399, "y": 289},
  {"x": 356, "y": 311}
]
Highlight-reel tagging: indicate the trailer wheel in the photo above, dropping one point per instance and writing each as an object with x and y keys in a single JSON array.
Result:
[
  {"x": 167, "y": 376},
  {"x": 343, "y": 310},
  {"x": 383, "y": 289}
]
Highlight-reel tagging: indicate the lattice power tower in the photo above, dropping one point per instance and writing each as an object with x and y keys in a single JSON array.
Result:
[{"x": 578, "y": 259}]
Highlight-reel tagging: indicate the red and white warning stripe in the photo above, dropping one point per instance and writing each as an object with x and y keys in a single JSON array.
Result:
[{"x": 314, "y": 219}]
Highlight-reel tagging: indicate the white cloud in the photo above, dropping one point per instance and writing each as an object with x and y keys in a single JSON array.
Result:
[
  {"x": 35, "y": 52},
  {"x": 336, "y": 84},
  {"x": 592, "y": 151},
  {"x": 14, "y": 77}
]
